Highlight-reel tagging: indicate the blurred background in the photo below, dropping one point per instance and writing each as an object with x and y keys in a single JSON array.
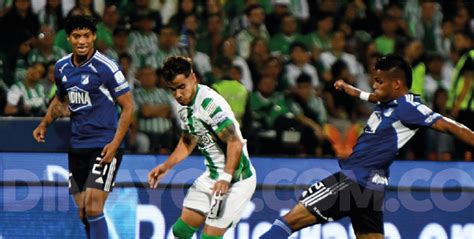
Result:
[{"x": 275, "y": 62}]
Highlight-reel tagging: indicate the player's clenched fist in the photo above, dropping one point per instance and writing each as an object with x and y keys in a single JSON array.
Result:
[
  {"x": 340, "y": 84},
  {"x": 39, "y": 133},
  {"x": 155, "y": 175}
]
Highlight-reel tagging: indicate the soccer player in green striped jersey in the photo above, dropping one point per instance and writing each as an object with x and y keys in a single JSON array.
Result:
[{"x": 207, "y": 122}]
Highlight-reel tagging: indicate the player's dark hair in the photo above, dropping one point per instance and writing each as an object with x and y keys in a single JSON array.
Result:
[
  {"x": 392, "y": 61},
  {"x": 176, "y": 65},
  {"x": 79, "y": 22}
]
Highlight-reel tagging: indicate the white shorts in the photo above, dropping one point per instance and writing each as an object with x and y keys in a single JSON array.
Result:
[{"x": 199, "y": 196}]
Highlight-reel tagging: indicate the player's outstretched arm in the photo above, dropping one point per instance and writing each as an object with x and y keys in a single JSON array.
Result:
[
  {"x": 235, "y": 144},
  {"x": 355, "y": 92},
  {"x": 185, "y": 147},
  {"x": 55, "y": 110},
  {"x": 126, "y": 102},
  {"x": 455, "y": 128}
]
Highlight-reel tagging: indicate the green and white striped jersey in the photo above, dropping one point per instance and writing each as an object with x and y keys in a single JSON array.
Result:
[
  {"x": 205, "y": 118},
  {"x": 36, "y": 56},
  {"x": 155, "y": 96},
  {"x": 144, "y": 46},
  {"x": 32, "y": 98}
]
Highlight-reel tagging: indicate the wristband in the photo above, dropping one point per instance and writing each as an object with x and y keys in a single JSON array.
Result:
[
  {"x": 225, "y": 176},
  {"x": 364, "y": 95}
]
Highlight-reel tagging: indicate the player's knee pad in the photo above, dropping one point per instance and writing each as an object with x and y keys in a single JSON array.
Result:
[
  {"x": 182, "y": 230},
  {"x": 205, "y": 236}
]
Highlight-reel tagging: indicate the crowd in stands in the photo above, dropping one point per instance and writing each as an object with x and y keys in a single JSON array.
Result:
[{"x": 274, "y": 61}]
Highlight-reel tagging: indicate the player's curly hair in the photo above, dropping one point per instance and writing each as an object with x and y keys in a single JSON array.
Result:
[
  {"x": 395, "y": 62},
  {"x": 79, "y": 22},
  {"x": 177, "y": 65}
]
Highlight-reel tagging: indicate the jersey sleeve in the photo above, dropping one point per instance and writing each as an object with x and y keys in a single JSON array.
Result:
[
  {"x": 116, "y": 83},
  {"x": 417, "y": 114},
  {"x": 184, "y": 127},
  {"x": 60, "y": 91},
  {"x": 217, "y": 118},
  {"x": 182, "y": 119}
]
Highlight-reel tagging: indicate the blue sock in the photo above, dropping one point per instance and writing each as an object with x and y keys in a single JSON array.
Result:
[
  {"x": 98, "y": 227},
  {"x": 279, "y": 230}
]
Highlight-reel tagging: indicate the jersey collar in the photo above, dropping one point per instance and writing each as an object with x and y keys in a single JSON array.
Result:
[
  {"x": 195, "y": 96},
  {"x": 85, "y": 62},
  {"x": 392, "y": 103}
]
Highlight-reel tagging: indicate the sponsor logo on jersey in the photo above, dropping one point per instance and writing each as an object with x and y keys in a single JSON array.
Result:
[
  {"x": 430, "y": 118},
  {"x": 388, "y": 112},
  {"x": 377, "y": 179},
  {"x": 424, "y": 110},
  {"x": 205, "y": 140},
  {"x": 99, "y": 180},
  {"x": 78, "y": 98},
  {"x": 219, "y": 118},
  {"x": 374, "y": 121},
  {"x": 211, "y": 107},
  {"x": 119, "y": 77},
  {"x": 84, "y": 79},
  {"x": 62, "y": 68}
]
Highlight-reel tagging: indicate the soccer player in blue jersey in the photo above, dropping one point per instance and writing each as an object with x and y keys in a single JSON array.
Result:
[
  {"x": 357, "y": 191},
  {"x": 90, "y": 85}
]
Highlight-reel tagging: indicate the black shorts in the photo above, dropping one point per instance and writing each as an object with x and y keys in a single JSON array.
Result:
[
  {"x": 337, "y": 196},
  {"x": 86, "y": 172}
]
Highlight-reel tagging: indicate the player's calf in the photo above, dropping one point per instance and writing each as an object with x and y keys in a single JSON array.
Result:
[
  {"x": 86, "y": 226},
  {"x": 182, "y": 230},
  {"x": 205, "y": 236},
  {"x": 95, "y": 200},
  {"x": 299, "y": 217},
  {"x": 98, "y": 226}
]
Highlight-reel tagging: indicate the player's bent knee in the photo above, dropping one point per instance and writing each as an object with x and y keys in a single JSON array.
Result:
[
  {"x": 93, "y": 210},
  {"x": 94, "y": 207},
  {"x": 93, "y": 213},
  {"x": 299, "y": 217},
  {"x": 205, "y": 236},
  {"x": 182, "y": 230}
]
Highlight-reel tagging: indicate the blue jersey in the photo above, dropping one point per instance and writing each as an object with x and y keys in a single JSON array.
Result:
[
  {"x": 389, "y": 127},
  {"x": 91, "y": 89}
]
